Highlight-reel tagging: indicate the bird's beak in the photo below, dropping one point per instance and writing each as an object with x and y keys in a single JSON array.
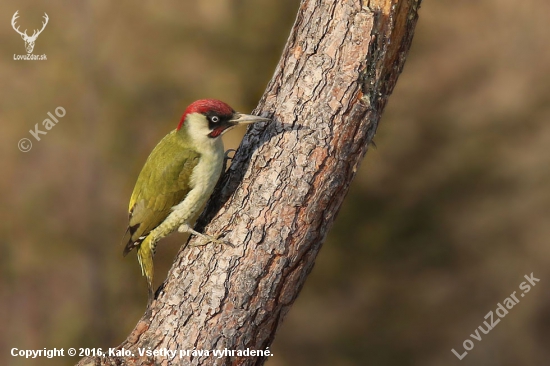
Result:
[
  {"x": 244, "y": 119},
  {"x": 238, "y": 119}
]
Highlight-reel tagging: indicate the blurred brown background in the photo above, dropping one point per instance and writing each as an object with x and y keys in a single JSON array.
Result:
[{"x": 443, "y": 221}]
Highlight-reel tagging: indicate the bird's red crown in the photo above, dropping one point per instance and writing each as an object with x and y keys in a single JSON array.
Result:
[{"x": 206, "y": 105}]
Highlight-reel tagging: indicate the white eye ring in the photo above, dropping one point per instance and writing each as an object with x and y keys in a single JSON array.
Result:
[{"x": 215, "y": 119}]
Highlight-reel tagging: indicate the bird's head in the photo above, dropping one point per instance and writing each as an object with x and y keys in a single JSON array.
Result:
[{"x": 211, "y": 118}]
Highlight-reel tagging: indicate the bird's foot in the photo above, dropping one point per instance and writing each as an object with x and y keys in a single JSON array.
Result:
[
  {"x": 206, "y": 239},
  {"x": 185, "y": 228}
]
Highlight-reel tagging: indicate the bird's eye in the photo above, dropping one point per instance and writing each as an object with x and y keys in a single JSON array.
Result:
[{"x": 215, "y": 119}]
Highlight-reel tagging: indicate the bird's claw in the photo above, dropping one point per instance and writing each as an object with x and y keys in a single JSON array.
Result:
[
  {"x": 226, "y": 157},
  {"x": 229, "y": 151},
  {"x": 211, "y": 239}
]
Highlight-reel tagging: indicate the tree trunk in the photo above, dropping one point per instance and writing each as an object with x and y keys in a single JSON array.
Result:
[{"x": 283, "y": 189}]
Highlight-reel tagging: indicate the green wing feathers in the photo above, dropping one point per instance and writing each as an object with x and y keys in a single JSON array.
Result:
[{"x": 163, "y": 182}]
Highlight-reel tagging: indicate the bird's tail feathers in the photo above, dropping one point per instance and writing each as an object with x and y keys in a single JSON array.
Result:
[{"x": 145, "y": 253}]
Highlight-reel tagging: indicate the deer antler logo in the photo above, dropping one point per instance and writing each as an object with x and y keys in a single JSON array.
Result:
[{"x": 29, "y": 41}]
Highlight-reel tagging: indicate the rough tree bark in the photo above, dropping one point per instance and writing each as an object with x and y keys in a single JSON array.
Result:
[{"x": 284, "y": 187}]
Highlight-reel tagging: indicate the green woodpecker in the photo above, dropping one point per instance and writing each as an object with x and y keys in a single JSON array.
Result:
[{"x": 178, "y": 178}]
